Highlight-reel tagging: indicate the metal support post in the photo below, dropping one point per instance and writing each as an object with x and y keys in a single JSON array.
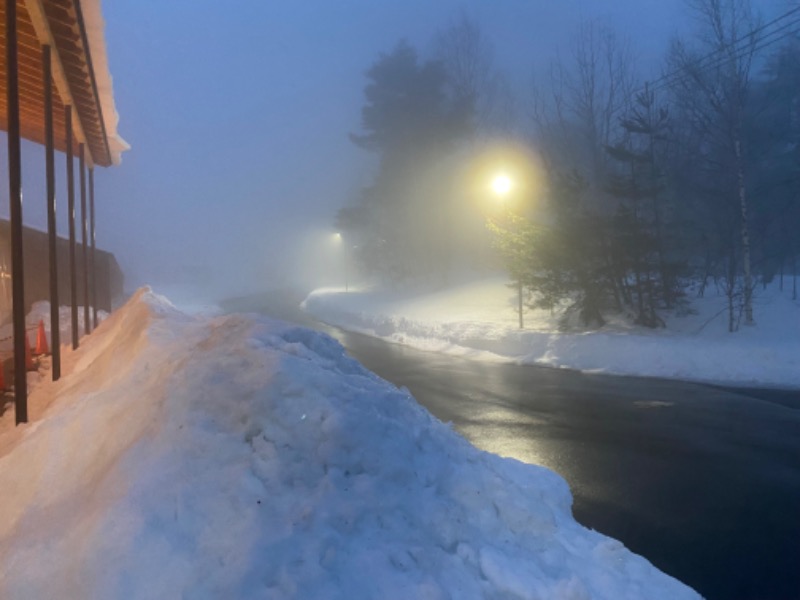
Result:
[
  {"x": 73, "y": 271},
  {"x": 15, "y": 212},
  {"x": 93, "y": 266},
  {"x": 87, "y": 326},
  {"x": 55, "y": 341}
]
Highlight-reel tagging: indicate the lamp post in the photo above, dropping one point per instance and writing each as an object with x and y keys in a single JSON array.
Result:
[
  {"x": 502, "y": 185},
  {"x": 343, "y": 249}
]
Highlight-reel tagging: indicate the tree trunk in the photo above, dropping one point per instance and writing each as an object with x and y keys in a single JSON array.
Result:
[
  {"x": 748, "y": 276},
  {"x": 731, "y": 320},
  {"x": 666, "y": 283},
  {"x": 730, "y": 289}
]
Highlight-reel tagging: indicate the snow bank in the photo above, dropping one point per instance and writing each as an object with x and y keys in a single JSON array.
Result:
[
  {"x": 479, "y": 320},
  {"x": 241, "y": 458}
]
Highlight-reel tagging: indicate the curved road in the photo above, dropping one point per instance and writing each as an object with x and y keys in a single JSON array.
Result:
[{"x": 701, "y": 480}]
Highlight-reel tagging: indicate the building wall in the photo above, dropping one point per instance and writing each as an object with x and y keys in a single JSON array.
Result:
[{"x": 109, "y": 278}]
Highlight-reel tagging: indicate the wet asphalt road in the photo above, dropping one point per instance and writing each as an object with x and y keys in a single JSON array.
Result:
[{"x": 703, "y": 481}]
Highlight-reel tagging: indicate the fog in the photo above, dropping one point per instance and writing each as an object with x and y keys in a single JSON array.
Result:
[{"x": 238, "y": 117}]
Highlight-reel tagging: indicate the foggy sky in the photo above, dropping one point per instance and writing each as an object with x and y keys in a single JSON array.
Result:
[{"x": 238, "y": 115}]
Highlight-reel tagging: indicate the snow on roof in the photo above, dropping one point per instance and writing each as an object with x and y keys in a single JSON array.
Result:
[
  {"x": 237, "y": 457},
  {"x": 95, "y": 34},
  {"x": 73, "y": 30}
]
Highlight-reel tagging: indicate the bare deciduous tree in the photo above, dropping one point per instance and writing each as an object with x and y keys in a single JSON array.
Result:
[
  {"x": 475, "y": 85},
  {"x": 712, "y": 92},
  {"x": 579, "y": 114}
]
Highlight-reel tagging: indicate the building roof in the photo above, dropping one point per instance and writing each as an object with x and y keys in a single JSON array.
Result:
[{"x": 74, "y": 31}]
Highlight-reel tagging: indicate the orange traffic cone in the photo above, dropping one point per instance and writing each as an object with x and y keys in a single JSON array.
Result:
[
  {"x": 41, "y": 340},
  {"x": 29, "y": 365}
]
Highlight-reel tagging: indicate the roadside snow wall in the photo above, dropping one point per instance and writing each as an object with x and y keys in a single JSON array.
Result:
[{"x": 238, "y": 457}]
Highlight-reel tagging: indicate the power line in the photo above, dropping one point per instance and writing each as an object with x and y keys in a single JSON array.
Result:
[
  {"x": 756, "y": 47},
  {"x": 753, "y": 32},
  {"x": 743, "y": 46}
]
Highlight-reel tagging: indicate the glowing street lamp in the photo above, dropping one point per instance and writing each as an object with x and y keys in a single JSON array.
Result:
[{"x": 501, "y": 185}]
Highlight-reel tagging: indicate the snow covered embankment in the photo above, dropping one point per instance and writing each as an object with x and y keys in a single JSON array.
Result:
[
  {"x": 242, "y": 458},
  {"x": 479, "y": 320}
]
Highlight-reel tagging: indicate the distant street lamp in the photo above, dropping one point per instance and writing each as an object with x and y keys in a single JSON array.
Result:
[{"x": 502, "y": 185}]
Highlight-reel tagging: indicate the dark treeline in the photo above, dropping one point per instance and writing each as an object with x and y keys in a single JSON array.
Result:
[{"x": 652, "y": 191}]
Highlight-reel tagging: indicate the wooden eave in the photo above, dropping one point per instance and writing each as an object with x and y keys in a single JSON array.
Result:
[{"x": 58, "y": 23}]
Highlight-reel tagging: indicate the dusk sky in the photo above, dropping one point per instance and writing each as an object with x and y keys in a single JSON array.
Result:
[{"x": 238, "y": 116}]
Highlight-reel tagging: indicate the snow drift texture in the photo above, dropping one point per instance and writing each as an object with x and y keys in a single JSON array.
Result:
[{"x": 243, "y": 458}]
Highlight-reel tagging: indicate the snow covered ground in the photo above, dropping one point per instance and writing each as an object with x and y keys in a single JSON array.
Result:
[
  {"x": 236, "y": 457},
  {"x": 479, "y": 320}
]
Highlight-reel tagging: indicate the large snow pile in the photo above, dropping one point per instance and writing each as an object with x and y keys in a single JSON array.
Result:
[
  {"x": 479, "y": 320},
  {"x": 232, "y": 457}
]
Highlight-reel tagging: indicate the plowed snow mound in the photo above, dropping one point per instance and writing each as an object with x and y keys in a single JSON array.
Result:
[{"x": 242, "y": 458}]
